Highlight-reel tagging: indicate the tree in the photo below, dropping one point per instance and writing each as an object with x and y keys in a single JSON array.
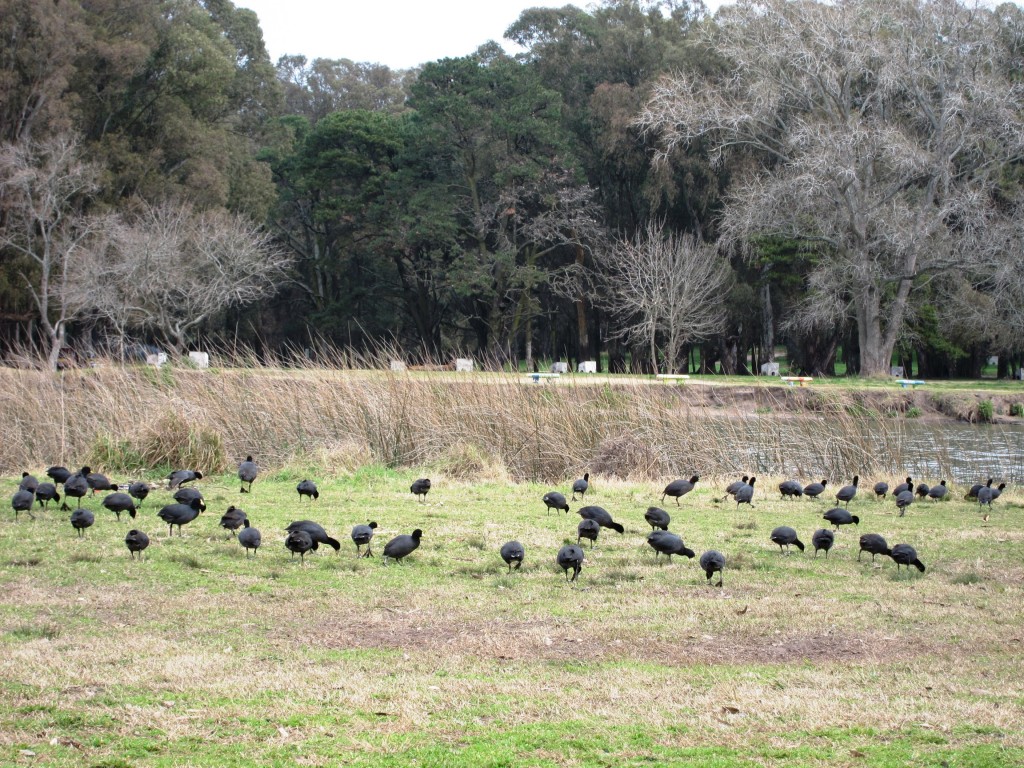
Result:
[
  {"x": 169, "y": 268},
  {"x": 882, "y": 128},
  {"x": 45, "y": 188},
  {"x": 665, "y": 286}
]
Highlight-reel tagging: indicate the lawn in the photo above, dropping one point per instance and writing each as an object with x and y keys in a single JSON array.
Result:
[{"x": 200, "y": 656}]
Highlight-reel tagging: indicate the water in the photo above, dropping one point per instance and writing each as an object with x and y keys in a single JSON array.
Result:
[
  {"x": 879, "y": 448},
  {"x": 964, "y": 453}
]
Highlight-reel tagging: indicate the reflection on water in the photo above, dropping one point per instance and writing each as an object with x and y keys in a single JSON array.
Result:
[
  {"x": 965, "y": 453},
  {"x": 829, "y": 446}
]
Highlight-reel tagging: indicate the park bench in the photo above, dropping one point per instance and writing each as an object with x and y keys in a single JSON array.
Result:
[
  {"x": 797, "y": 381},
  {"x": 538, "y": 377},
  {"x": 912, "y": 383},
  {"x": 669, "y": 378}
]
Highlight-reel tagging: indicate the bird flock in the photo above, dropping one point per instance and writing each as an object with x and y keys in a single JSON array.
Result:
[{"x": 304, "y": 536}]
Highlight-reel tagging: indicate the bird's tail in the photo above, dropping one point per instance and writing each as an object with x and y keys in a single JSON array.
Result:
[
  {"x": 799, "y": 545},
  {"x": 333, "y": 542},
  {"x": 619, "y": 529},
  {"x": 919, "y": 565}
]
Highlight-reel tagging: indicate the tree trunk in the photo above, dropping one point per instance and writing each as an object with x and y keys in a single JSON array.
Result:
[{"x": 767, "y": 323}]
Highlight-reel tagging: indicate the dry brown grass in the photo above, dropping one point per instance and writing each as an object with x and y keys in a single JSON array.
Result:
[{"x": 485, "y": 424}]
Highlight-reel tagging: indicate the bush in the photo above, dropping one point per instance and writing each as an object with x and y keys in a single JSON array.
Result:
[
  {"x": 1017, "y": 409},
  {"x": 913, "y": 412},
  {"x": 986, "y": 411}
]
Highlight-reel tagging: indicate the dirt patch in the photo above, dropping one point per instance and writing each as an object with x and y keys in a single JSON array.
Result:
[{"x": 550, "y": 641}]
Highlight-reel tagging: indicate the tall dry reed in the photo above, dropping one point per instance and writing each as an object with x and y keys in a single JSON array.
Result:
[{"x": 134, "y": 418}]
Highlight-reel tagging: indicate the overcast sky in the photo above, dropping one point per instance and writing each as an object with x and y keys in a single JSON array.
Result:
[{"x": 399, "y": 33}]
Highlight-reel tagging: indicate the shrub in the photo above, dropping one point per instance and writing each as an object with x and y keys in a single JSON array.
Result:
[
  {"x": 913, "y": 412},
  {"x": 986, "y": 411},
  {"x": 1017, "y": 409}
]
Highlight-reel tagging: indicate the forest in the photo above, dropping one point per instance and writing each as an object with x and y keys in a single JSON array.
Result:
[{"x": 647, "y": 185}]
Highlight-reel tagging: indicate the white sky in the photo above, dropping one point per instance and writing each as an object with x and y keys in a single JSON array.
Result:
[{"x": 398, "y": 33}]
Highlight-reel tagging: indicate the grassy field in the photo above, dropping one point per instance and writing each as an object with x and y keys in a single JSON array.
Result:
[{"x": 199, "y": 656}]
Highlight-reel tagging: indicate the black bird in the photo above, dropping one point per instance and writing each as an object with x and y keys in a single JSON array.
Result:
[
  {"x": 363, "y": 534},
  {"x": 784, "y": 536},
  {"x": 307, "y": 488},
  {"x": 136, "y": 541},
  {"x": 22, "y": 501},
  {"x": 100, "y": 482},
  {"x": 233, "y": 519},
  {"x": 922, "y": 490},
  {"x": 657, "y": 518},
  {"x": 712, "y": 561},
  {"x": 904, "y": 554},
  {"x": 735, "y": 485},
  {"x": 82, "y": 519},
  {"x": 420, "y": 488},
  {"x": 28, "y": 483},
  {"x": 512, "y": 552},
  {"x": 745, "y": 494},
  {"x": 665, "y": 543},
  {"x": 555, "y": 500},
  {"x": 814, "y": 490},
  {"x": 881, "y": 489},
  {"x": 187, "y": 495},
  {"x": 400, "y": 546},
  {"x": 247, "y": 472},
  {"x": 45, "y": 493},
  {"x": 179, "y": 476},
  {"x": 249, "y": 537},
  {"x": 823, "y": 538},
  {"x": 989, "y": 494},
  {"x": 839, "y": 517},
  {"x": 600, "y": 516},
  {"x": 58, "y": 474},
  {"x": 679, "y": 488},
  {"x": 791, "y": 488},
  {"x": 570, "y": 556},
  {"x": 903, "y": 500},
  {"x": 873, "y": 543},
  {"x": 76, "y": 486},
  {"x": 316, "y": 533},
  {"x": 588, "y": 529},
  {"x": 973, "y": 493},
  {"x": 581, "y": 486},
  {"x": 118, "y": 503},
  {"x": 180, "y": 514},
  {"x": 938, "y": 491},
  {"x": 907, "y": 485},
  {"x": 847, "y": 492},
  {"x": 299, "y": 541},
  {"x": 139, "y": 490}
]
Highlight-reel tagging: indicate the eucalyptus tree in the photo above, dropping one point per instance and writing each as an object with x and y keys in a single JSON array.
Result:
[{"x": 884, "y": 127}]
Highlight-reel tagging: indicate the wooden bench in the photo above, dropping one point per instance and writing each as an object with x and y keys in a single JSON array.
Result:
[
  {"x": 797, "y": 381},
  {"x": 912, "y": 383},
  {"x": 672, "y": 377},
  {"x": 537, "y": 377}
]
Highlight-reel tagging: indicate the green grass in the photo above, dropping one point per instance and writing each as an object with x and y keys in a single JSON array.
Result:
[{"x": 199, "y": 656}]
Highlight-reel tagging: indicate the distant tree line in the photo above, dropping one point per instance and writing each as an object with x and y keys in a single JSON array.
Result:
[{"x": 645, "y": 185}]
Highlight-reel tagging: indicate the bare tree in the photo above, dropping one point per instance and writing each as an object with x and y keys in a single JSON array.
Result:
[
  {"x": 882, "y": 126},
  {"x": 44, "y": 188},
  {"x": 170, "y": 268},
  {"x": 665, "y": 286}
]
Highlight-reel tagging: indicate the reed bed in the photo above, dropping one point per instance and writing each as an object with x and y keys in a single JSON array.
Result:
[{"x": 496, "y": 425}]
